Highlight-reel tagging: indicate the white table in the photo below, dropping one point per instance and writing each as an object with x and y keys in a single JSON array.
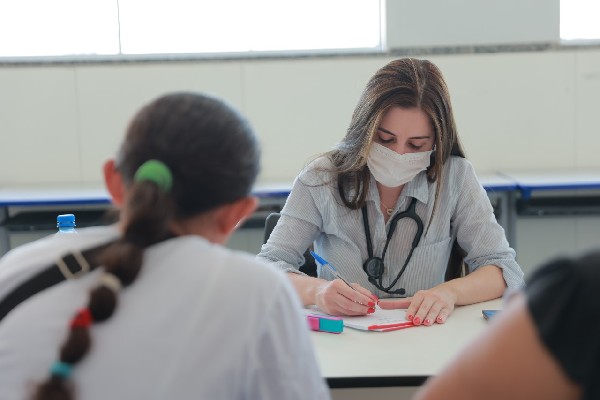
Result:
[{"x": 407, "y": 357}]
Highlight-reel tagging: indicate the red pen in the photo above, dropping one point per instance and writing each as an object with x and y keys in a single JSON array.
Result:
[{"x": 391, "y": 327}]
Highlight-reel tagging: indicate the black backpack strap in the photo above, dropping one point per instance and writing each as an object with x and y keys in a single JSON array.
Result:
[{"x": 70, "y": 266}]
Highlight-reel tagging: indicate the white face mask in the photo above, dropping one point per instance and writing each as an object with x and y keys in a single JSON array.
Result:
[{"x": 392, "y": 169}]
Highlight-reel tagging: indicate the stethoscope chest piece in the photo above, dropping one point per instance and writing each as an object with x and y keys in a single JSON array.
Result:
[{"x": 374, "y": 267}]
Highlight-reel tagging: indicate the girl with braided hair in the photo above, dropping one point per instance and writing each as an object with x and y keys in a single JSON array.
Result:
[{"x": 169, "y": 312}]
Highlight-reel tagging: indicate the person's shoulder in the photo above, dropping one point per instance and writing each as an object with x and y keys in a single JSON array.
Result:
[
  {"x": 25, "y": 251},
  {"x": 589, "y": 267},
  {"x": 318, "y": 172},
  {"x": 457, "y": 171},
  {"x": 457, "y": 164},
  {"x": 569, "y": 286},
  {"x": 29, "y": 259},
  {"x": 566, "y": 276},
  {"x": 52, "y": 246},
  {"x": 253, "y": 268},
  {"x": 258, "y": 277},
  {"x": 238, "y": 275},
  {"x": 232, "y": 264}
]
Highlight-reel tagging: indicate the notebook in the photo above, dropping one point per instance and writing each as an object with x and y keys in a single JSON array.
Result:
[{"x": 380, "y": 321}]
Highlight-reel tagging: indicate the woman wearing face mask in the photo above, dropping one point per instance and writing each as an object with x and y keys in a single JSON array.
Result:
[{"x": 395, "y": 207}]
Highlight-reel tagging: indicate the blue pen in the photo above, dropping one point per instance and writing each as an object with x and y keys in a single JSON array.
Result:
[{"x": 334, "y": 271}]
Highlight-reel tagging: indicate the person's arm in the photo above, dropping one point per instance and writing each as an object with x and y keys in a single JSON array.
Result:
[
  {"x": 485, "y": 283},
  {"x": 507, "y": 361},
  {"x": 489, "y": 257},
  {"x": 299, "y": 225},
  {"x": 478, "y": 232},
  {"x": 333, "y": 297},
  {"x": 436, "y": 304},
  {"x": 285, "y": 248}
]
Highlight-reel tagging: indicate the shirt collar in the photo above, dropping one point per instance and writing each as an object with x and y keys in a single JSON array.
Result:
[{"x": 417, "y": 188}]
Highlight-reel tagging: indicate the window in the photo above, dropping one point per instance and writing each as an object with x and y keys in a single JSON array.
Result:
[
  {"x": 58, "y": 27},
  {"x": 579, "y": 19},
  {"x": 138, "y": 27}
]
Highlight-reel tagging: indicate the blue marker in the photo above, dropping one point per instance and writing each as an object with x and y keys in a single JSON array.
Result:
[{"x": 334, "y": 271}]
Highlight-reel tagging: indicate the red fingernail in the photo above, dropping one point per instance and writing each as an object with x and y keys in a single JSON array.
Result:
[
  {"x": 375, "y": 297},
  {"x": 371, "y": 311},
  {"x": 371, "y": 304},
  {"x": 409, "y": 317},
  {"x": 417, "y": 321},
  {"x": 427, "y": 321}
]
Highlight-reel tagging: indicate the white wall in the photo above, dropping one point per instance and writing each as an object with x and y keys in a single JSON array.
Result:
[{"x": 515, "y": 111}]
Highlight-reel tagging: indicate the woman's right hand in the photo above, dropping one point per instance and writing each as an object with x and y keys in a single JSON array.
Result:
[{"x": 337, "y": 298}]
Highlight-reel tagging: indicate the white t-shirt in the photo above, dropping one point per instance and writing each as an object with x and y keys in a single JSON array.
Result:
[{"x": 199, "y": 322}]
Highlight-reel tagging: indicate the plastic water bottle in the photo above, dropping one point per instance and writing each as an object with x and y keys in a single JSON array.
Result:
[{"x": 66, "y": 223}]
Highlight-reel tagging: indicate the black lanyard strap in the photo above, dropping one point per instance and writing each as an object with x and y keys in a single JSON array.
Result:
[
  {"x": 74, "y": 264},
  {"x": 67, "y": 267}
]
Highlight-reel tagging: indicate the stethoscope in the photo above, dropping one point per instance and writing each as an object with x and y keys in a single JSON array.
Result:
[{"x": 374, "y": 266}]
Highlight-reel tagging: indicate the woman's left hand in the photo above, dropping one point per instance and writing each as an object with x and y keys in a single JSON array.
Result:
[{"x": 426, "y": 307}]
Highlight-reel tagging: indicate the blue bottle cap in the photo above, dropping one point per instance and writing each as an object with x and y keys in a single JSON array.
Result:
[{"x": 65, "y": 220}]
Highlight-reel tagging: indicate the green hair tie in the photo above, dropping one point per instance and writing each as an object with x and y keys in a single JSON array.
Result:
[{"x": 157, "y": 172}]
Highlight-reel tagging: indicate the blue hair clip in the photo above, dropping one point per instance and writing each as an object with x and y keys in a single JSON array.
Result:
[{"x": 61, "y": 369}]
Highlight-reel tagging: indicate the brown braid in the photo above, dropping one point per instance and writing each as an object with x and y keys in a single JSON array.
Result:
[{"x": 148, "y": 214}]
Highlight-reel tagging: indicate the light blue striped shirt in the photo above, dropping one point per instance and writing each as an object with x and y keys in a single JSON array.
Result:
[{"x": 315, "y": 214}]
